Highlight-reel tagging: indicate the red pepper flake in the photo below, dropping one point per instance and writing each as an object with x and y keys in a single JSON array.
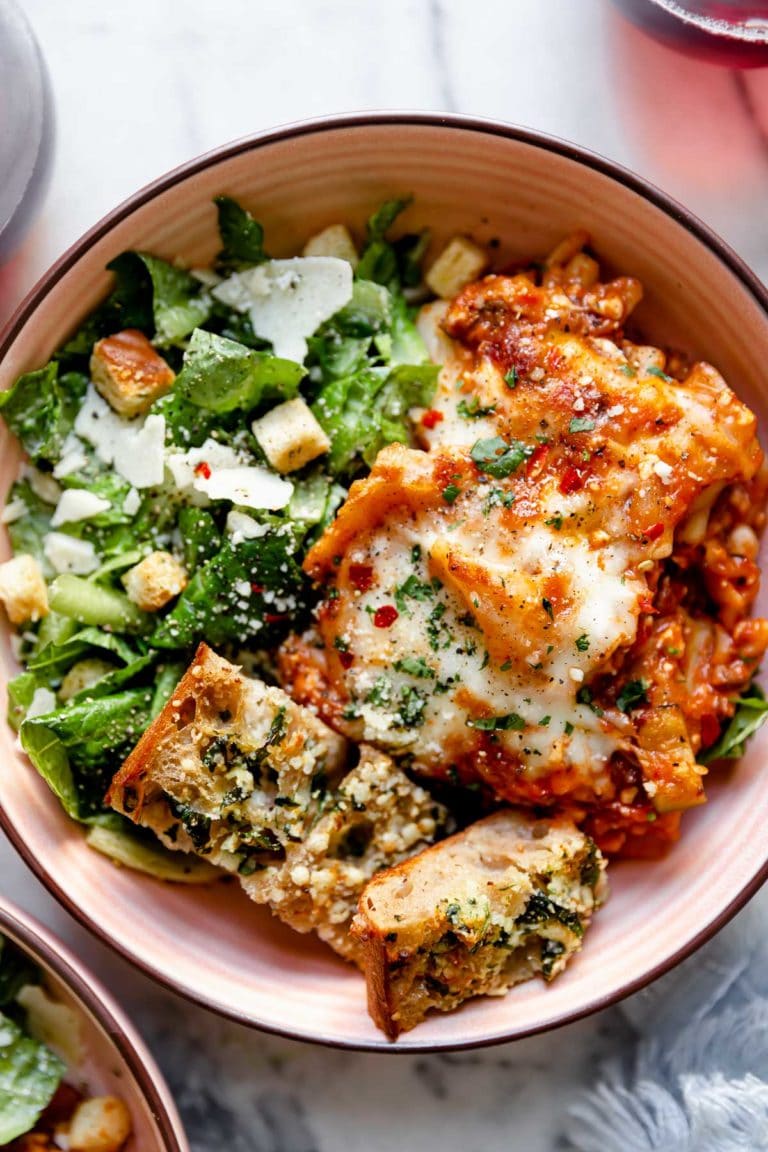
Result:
[
  {"x": 346, "y": 659},
  {"x": 534, "y": 460},
  {"x": 257, "y": 589},
  {"x": 572, "y": 480},
  {"x": 385, "y": 616},
  {"x": 275, "y": 617},
  {"x": 431, "y": 417},
  {"x": 361, "y": 576},
  {"x": 203, "y": 469},
  {"x": 654, "y": 531}
]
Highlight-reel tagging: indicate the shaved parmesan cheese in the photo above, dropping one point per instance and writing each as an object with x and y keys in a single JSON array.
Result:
[
  {"x": 67, "y": 554},
  {"x": 73, "y": 457},
  {"x": 43, "y": 701},
  {"x": 210, "y": 455},
  {"x": 241, "y": 527},
  {"x": 140, "y": 459},
  {"x": 132, "y": 503},
  {"x": 134, "y": 447},
  {"x": 78, "y": 504},
  {"x": 14, "y": 510},
  {"x": 253, "y": 487},
  {"x": 288, "y": 300},
  {"x": 42, "y": 484}
]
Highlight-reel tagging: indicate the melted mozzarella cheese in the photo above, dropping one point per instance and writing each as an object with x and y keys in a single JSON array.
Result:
[{"x": 481, "y": 637}]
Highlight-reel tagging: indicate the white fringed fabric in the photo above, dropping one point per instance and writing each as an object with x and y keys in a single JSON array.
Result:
[{"x": 697, "y": 1080}]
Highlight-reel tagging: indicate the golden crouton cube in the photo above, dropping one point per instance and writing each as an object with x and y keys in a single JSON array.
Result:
[
  {"x": 290, "y": 436},
  {"x": 129, "y": 373},
  {"x": 333, "y": 241},
  {"x": 22, "y": 589},
  {"x": 101, "y": 1124},
  {"x": 155, "y": 581},
  {"x": 459, "y": 263}
]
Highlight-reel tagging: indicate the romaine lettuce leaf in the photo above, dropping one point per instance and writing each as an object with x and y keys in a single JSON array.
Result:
[
  {"x": 26, "y": 534},
  {"x": 363, "y": 413},
  {"x": 76, "y": 749},
  {"x": 40, "y": 409},
  {"x": 223, "y": 376},
  {"x": 242, "y": 237},
  {"x": 29, "y": 1077},
  {"x": 246, "y": 590}
]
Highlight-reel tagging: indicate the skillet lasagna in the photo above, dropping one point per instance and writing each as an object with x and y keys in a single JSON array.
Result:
[{"x": 548, "y": 599}]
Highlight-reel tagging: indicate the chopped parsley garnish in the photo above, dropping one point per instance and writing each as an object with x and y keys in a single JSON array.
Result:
[
  {"x": 340, "y": 644},
  {"x": 654, "y": 371},
  {"x": 582, "y": 643},
  {"x": 581, "y": 424},
  {"x": 415, "y": 553},
  {"x": 505, "y": 667},
  {"x": 544, "y": 721},
  {"x": 510, "y": 378},
  {"x": 568, "y": 728},
  {"x": 472, "y": 410},
  {"x": 584, "y": 696},
  {"x": 547, "y": 606},
  {"x": 411, "y": 707},
  {"x": 450, "y": 493},
  {"x": 555, "y": 522},
  {"x": 511, "y": 722},
  {"x": 633, "y": 694},
  {"x": 415, "y": 589},
  {"x": 415, "y": 666},
  {"x": 436, "y": 631},
  {"x": 498, "y": 497},
  {"x": 497, "y": 458},
  {"x": 628, "y": 370}
]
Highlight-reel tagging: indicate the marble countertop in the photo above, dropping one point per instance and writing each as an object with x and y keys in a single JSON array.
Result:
[{"x": 143, "y": 85}]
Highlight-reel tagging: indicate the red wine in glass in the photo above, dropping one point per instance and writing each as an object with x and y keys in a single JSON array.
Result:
[{"x": 729, "y": 32}]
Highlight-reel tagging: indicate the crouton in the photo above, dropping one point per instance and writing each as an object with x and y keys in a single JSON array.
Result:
[
  {"x": 101, "y": 1124},
  {"x": 460, "y": 262},
  {"x": 22, "y": 589},
  {"x": 505, "y": 899},
  {"x": 237, "y": 772},
  {"x": 129, "y": 373},
  {"x": 335, "y": 240},
  {"x": 290, "y": 436},
  {"x": 155, "y": 581}
]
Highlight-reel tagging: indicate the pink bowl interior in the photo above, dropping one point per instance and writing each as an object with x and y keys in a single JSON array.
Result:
[
  {"x": 210, "y": 943},
  {"x": 114, "y": 1060}
]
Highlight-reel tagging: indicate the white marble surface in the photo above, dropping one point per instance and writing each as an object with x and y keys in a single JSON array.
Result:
[{"x": 142, "y": 85}]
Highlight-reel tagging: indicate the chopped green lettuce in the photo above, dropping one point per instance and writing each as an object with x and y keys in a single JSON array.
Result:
[
  {"x": 29, "y": 1076},
  {"x": 223, "y": 376},
  {"x": 77, "y": 748},
  {"x": 242, "y": 237},
  {"x": 40, "y": 409},
  {"x": 245, "y": 591},
  {"x": 364, "y": 412}
]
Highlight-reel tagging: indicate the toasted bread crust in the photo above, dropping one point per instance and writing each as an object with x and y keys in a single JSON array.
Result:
[{"x": 231, "y": 770}]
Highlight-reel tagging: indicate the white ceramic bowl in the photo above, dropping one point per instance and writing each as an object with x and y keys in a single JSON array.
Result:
[
  {"x": 115, "y": 1061},
  {"x": 493, "y": 181}
]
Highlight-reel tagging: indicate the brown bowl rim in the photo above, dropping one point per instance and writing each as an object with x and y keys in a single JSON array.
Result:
[
  {"x": 46, "y": 950},
  {"x": 292, "y": 131}
]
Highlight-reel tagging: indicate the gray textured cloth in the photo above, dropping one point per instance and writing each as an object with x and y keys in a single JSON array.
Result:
[{"x": 697, "y": 1077}]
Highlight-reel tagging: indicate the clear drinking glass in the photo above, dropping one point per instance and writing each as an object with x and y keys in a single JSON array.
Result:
[
  {"x": 26, "y": 127},
  {"x": 729, "y": 32}
]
